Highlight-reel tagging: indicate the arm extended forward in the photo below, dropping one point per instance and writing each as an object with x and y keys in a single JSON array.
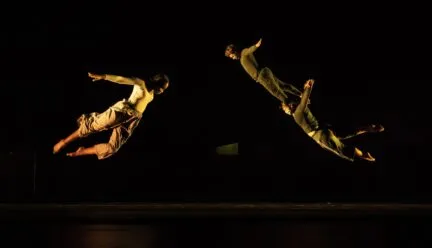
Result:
[{"x": 115, "y": 79}]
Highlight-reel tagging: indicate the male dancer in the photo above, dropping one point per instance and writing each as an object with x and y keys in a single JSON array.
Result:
[
  {"x": 122, "y": 117},
  {"x": 326, "y": 137}
]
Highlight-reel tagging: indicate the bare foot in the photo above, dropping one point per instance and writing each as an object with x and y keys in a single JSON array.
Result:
[
  {"x": 371, "y": 129},
  {"x": 73, "y": 154},
  {"x": 60, "y": 145},
  {"x": 375, "y": 128},
  {"x": 368, "y": 157}
]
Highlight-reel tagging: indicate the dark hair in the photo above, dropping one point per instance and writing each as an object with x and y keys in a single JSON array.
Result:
[
  {"x": 159, "y": 80},
  {"x": 230, "y": 49},
  {"x": 292, "y": 105}
]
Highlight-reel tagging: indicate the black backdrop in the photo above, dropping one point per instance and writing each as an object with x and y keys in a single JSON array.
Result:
[{"x": 366, "y": 72}]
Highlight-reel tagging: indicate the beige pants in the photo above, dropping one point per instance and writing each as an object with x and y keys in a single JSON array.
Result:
[
  {"x": 120, "y": 117},
  {"x": 328, "y": 140}
]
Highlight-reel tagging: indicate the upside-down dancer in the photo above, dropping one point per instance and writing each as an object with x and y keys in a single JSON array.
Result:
[{"x": 324, "y": 136}]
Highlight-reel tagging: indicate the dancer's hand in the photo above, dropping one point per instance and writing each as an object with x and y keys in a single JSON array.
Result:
[
  {"x": 258, "y": 44},
  {"x": 309, "y": 83},
  {"x": 96, "y": 77}
]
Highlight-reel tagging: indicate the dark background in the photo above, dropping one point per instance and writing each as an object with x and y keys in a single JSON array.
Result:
[{"x": 369, "y": 67}]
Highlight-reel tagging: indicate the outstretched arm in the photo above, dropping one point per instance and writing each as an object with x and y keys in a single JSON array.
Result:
[
  {"x": 305, "y": 95},
  {"x": 115, "y": 79},
  {"x": 254, "y": 47}
]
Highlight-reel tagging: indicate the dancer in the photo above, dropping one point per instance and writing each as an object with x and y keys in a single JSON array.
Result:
[
  {"x": 122, "y": 117},
  {"x": 326, "y": 137}
]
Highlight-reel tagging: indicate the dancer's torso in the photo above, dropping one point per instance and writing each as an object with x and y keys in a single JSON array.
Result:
[{"x": 140, "y": 96}]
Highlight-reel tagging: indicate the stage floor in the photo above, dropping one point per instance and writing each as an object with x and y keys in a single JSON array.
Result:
[{"x": 148, "y": 211}]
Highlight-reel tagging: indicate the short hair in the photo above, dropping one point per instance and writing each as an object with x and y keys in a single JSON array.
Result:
[
  {"x": 292, "y": 105},
  {"x": 159, "y": 80},
  {"x": 230, "y": 49}
]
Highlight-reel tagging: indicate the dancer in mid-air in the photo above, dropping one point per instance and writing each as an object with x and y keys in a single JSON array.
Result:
[
  {"x": 122, "y": 117},
  {"x": 326, "y": 137},
  {"x": 284, "y": 92}
]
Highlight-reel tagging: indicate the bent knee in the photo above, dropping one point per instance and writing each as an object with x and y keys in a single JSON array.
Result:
[{"x": 105, "y": 150}]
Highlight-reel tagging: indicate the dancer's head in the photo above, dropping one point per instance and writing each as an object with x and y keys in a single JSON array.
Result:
[
  {"x": 232, "y": 52},
  {"x": 159, "y": 83},
  {"x": 289, "y": 108}
]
